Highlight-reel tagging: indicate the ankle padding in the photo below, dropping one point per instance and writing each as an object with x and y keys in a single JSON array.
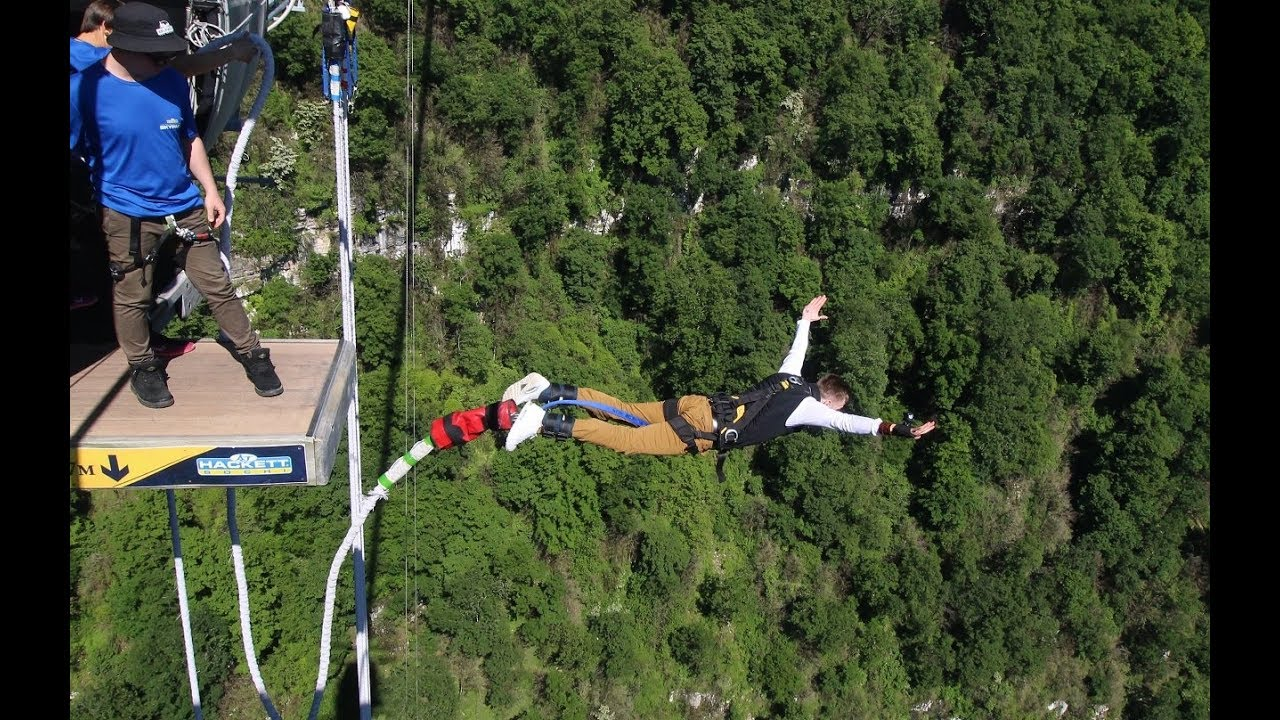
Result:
[
  {"x": 558, "y": 426},
  {"x": 558, "y": 391}
]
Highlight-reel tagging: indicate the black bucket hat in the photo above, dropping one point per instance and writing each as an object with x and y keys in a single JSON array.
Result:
[{"x": 146, "y": 29}]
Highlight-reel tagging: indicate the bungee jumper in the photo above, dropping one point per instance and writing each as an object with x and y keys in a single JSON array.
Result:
[{"x": 780, "y": 404}]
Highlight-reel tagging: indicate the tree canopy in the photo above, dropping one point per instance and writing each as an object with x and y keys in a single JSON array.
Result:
[{"x": 1007, "y": 204}]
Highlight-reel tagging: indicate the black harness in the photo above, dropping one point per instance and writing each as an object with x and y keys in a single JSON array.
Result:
[
  {"x": 137, "y": 259},
  {"x": 731, "y": 414}
]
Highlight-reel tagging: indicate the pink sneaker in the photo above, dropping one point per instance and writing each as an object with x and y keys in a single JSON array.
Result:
[{"x": 170, "y": 348}]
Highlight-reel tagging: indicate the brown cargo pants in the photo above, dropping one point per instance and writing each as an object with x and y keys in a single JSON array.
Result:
[
  {"x": 132, "y": 293},
  {"x": 656, "y": 438}
]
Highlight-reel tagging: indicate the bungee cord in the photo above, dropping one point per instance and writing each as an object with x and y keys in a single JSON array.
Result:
[{"x": 183, "y": 610}]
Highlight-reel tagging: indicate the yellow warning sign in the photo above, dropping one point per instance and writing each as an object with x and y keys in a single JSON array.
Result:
[{"x": 107, "y": 468}]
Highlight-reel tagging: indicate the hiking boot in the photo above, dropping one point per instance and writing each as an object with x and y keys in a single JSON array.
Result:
[
  {"x": 526, "y": 388},
  {"x": 261, "y": 372},
  {"x": 527, "y": 425},
  {"x": 150, "y": 384}
]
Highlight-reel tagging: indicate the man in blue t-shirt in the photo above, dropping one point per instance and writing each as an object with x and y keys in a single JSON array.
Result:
[
  {"x": 89, "y": 46},
  {"x": 131, "y": 117}
]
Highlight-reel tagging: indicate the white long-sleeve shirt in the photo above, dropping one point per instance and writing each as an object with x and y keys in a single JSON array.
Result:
[{"x": 811, "y": 412}]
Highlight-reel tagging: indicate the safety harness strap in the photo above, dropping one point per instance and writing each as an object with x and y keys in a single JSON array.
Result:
[
  {"x": 135, "y": 242},
  {"x": 731, "y": 415},
  {"x": 137, "y": 261},
  {"x": 685, "y": 431}
]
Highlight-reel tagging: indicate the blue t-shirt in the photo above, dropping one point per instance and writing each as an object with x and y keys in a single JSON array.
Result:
[
  {"x": 84, "y": 54},
  {"x": 133, "y": 135}
]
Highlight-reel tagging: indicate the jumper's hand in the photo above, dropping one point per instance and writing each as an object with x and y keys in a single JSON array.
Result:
[
  {"x": 906, "y": 430},
  {"x": 920, "y": 430},
  {"x": 813, "y": 311}
]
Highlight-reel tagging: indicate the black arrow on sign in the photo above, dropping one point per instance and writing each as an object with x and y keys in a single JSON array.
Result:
[{"x": 115, "y": 472}]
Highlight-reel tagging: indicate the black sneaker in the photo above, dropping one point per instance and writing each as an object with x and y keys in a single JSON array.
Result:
[
  {"x": 261, "y": 372},
  {"x": 150, "y": 384}
]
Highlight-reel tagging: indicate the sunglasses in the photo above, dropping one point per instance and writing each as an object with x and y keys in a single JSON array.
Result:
[{"x": 162, "y": 58}]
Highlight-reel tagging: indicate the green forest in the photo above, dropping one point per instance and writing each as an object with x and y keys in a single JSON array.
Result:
[{"x": 1007, "y": 204}]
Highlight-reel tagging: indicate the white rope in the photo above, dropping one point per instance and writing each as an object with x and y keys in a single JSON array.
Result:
[
  {"x": 242, "y": 594},
  {"x": 183, "y": 610},
  {"x": 366, "y": 504},
  {"x": 360, "y": 505},
  {"x": 207, "y": 37},
  {"x": 330, "y": 591},
  {"x": 201, "y": 32},
  {"x": 242, "y": 142},
  {"x": 410, "y": 393},
  {"x": 343, "y": 182},
  {"x": 380, "y": 491},
  {"x": 282, "y": 11},
  {"x": 224, "y": 248}
]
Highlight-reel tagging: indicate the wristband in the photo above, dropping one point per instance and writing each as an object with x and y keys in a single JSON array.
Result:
[{"x": 901, "y": 429}]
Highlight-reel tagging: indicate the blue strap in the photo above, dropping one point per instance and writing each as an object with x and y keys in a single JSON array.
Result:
[{"x": 602, "y": 408}]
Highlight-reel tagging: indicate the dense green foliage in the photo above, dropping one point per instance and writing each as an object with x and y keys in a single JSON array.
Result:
[{"x": 1007, "y": 204}]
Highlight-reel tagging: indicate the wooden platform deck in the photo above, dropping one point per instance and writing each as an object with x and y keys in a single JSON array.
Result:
[{"x": 218, "y": 432}]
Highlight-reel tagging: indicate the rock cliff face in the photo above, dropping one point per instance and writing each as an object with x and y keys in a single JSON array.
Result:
[{"x": 904, "y": 202}]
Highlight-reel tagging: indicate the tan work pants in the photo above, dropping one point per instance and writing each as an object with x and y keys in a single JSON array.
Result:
[{"x": 656, "y": 438}]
